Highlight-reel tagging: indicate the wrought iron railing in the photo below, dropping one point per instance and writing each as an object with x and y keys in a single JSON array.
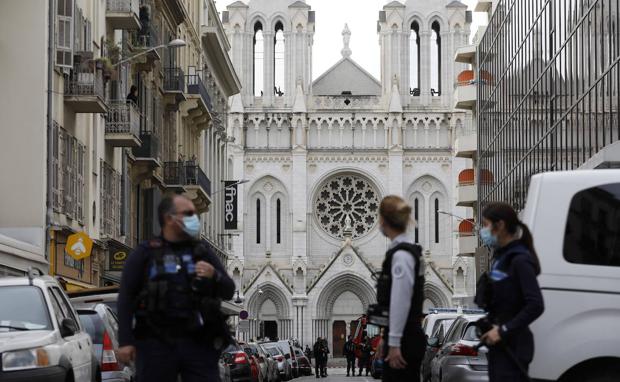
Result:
[
  {"x": 145, "y": 38},
  {"x": 196, "y": 176},
  {"x": 84, "y": 82},
  {"x": 149, "y": 148},
  {"x": 195, "y": 85},
  {"x": 174, "y": 79},
  {"x": 174, "y": 173},
  {"x": 123, "y": 117},
  {"x": 123, "y": 6}
]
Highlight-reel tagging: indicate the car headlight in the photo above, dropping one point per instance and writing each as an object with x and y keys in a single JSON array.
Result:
[{"x": 25, "y": 359}]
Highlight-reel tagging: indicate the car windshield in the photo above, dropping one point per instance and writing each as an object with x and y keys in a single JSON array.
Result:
[
  {"x": 470, "y": 333},
  {"x": 23, "y": 308},
  {"x": 93, "y": 324},
  {"x": 273, "y": 350}
]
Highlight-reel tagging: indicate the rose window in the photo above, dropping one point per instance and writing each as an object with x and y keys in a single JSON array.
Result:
[{"x": 347, "y": 196}]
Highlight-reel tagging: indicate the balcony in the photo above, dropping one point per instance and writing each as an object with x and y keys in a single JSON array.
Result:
[
  {"x": 483, "y": 6},
  {"x": 468, "y": 240},
  {"x": 197, "y": 88},
  {"x": 467, "y": 193},
  {"x": 145, "y": 40},
  {"x": 177, "y": 10},
  {"x": 465, "y": 91},
  {"x": 198, "y": 106},
  {"x": 174, "y": 87},
  {"x": 466, "y": 146},
  {"x": 123, "y": 14},
  {"x": 122, "y": 125},
  {"x": 466, "y": 54},
  {"x": 146, "y": 158},
  {"x": 189, "y": 178},
  {"x": 84, "y": 91}
]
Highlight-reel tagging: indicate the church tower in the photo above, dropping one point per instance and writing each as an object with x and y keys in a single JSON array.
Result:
[
  {"x": 418, "y": 39},
  {"x": 271, "y": 49}
]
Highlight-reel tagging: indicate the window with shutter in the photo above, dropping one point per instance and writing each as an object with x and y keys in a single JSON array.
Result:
[
  {"x": 80, "y": 183},
  {"x": 64, "y": 33},
  {"x": 56, "y": 205}
]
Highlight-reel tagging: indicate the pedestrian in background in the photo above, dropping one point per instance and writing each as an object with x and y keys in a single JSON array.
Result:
[
  {"x": 308, "y": 353},
  {"x": 133, "y": 95},
  {"x": 325, "y": 356},
  {"x": 172, "y": 287},
  {"x": 320, "y": 356},
  {"x": 400, "y": 289},
  {"x": 349, "y": 352},
  {"x": 365, "y": 352},
  {"x": 511, "y": 293}
]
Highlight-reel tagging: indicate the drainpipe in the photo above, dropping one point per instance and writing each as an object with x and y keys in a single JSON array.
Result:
[{"x": 50, "y": 141}]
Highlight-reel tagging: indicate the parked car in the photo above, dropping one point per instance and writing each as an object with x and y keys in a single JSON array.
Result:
[
  {"x": 457, "y": 359},
  {"x": 269, "y": 363},
  {"x": 238, "y": 362},
  {"x": 303, "y": 363},
  {"x": 287, "y": 348},
  {"x": 224, "y": 371},
  {"x": 574, "y": 218},
  {"x": 41, "y": 338},
  {"x": 259, "y": 368},
  {"x": 102, "y": 325},
  {"x": 440, "y": 327},
  {"x": 89, "y": 297},
  {"x": 285, "y": 370}
]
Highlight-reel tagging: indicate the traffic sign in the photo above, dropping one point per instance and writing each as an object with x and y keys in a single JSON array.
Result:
[
  {"x": 79, "y": 246},
  {"x": 244, "y": 315}
]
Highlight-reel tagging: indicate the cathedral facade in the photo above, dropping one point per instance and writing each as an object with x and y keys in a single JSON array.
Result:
[{"x": 319, "y": 155}]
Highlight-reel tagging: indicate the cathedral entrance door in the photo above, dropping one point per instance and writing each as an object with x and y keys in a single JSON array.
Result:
[
  {"x": 271, "y": 329},
  {"x": 339, "y": 331}
]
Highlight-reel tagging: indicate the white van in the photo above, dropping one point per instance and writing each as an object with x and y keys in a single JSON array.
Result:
[{"x": 575, "y": 220}]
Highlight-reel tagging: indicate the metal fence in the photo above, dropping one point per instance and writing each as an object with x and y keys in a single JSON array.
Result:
[
  {"x": 174, "y": 79},
  {"x": 549, "y": 99},
  {"x": 122, "y": 117},
  {"x": 123, "y": 6},
  {"x": 84, "y": 82}
]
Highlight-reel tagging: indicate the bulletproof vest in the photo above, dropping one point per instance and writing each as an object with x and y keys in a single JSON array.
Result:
[
  {"x": 384, "y": 284},
  {"x": 167, "y": 292}
]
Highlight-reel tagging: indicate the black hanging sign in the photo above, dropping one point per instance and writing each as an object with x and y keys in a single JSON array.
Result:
[{"x": 230, "y": 204}]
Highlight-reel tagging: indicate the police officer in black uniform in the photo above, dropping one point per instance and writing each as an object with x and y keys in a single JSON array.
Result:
[
  {"x": 510, "y": 293},
  {"x": 172, "y": 286},
  {"x": 400, "y": 291}
]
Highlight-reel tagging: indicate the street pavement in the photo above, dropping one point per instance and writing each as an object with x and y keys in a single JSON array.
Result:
[{"x": 337, "y": 374}]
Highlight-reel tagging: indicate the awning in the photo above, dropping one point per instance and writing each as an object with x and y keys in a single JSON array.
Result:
[
  {"x": 71, "y": 285},
  {"x": 113, "y": 277}
]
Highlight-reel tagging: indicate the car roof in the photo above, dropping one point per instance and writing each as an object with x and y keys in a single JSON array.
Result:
[{"x": 39, "y": 281}]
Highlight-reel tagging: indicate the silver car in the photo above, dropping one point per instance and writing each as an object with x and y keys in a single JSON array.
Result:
[
  {"x": 458, "y": 360},
  {"x": 102, "y": 326},
  {"x": 285, "y": 370}
]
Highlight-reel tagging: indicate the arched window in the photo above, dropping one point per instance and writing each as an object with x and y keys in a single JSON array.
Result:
[
  {"x": 435, "y": 59},
  {"x": 257, "y": 221},
  {"x": 278, "y": 61},
  {"x": 436, "y": 220},
  {"x": 414, "y": 64},
  {"x": 259, "y": 55},
  {"x": 278, "y": 221},
  {"x": 416, "y": 209}
]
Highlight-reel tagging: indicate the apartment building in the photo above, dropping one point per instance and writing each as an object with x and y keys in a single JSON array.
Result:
[{"x": 82, "y": 152}]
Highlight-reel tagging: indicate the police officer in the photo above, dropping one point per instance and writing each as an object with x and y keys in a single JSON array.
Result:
[
  {"x": 512, "y": 295},
  {"x": 401, "y": 288},
  {"x": 172, "y": 286},
  {"x": 349, "y": 352}
]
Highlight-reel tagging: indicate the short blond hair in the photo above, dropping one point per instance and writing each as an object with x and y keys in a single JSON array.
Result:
[{"x": 395, "y": 212}]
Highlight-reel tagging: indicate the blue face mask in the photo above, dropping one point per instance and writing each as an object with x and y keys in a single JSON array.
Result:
[
  {"x": 191, "y": 225},
  {"x": 487, "y": 237}
]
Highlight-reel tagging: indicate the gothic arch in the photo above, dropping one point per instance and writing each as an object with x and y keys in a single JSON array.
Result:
[
  {"x": 257, "y": 17},
  {"x": 270, "y": 292},
  {"x": 417, "y": 17},
  {"x": 436, "y": 16},
  {"x": 434, "y": 294},
  {"x": 279, "y": 17},
  {"x": 339, "y": 284}
]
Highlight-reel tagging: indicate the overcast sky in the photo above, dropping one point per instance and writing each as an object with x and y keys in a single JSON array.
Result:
[{"x": 331, "y": 15}]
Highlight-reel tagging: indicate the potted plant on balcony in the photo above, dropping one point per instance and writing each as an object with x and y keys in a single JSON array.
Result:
[{"x": 109, "y": 61}]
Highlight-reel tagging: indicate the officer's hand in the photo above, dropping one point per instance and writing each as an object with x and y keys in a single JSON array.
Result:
[
  {"x": 395, "y": 358},
  {"x": 204, "y": 269},
  {"x": 491, "y": 337},
  {"x": 126, "y": 354}
]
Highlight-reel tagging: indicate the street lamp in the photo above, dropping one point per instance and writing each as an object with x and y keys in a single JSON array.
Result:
[
  {"x": 176, "y": 43},
  {"x": 475, "y": 225}
]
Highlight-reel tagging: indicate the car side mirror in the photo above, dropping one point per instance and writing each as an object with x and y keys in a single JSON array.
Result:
[
  {"x": 68, "y": 327},
  {"x": 433, "y": 342}
]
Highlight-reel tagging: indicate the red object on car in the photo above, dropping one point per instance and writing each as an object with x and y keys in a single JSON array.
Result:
[{"x": 108, "y": 357}]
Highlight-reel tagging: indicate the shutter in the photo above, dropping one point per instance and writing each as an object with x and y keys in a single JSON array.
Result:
[
  {"x": 64, "y": 33},
  {"x": 55, "y": 167},
  {"x": 125, "y": 203},
  {"x": 80, "y": 183}
]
